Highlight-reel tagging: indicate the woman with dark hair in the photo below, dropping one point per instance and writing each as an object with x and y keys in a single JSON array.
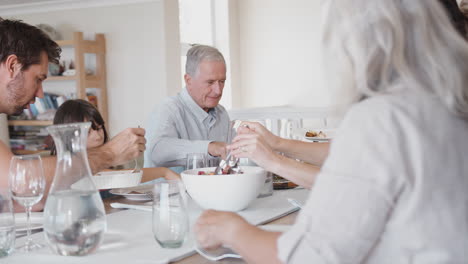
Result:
[{"x": 78, "y": 110}]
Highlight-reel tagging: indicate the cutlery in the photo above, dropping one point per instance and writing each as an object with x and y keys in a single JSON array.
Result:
[
  {"x": 136, "y": 169},
  {"x": 217, "y": 254},
  {"x": 228, "y": 166},
  {"x": 131, "y": 206},
  {"x": 295, "y": 202}
]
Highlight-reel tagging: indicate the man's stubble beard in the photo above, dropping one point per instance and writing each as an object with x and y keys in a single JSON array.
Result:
[{"x": 14, "y": 94}]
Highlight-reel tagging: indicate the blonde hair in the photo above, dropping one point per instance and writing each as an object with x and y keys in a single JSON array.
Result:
[{"x": 377, "y": 47}]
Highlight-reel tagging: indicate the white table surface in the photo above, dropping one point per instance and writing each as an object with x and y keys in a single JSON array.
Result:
[{"x": 129, "y": 237}]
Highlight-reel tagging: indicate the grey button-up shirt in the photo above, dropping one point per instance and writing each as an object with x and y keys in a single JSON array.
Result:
[{"x": 183, "y": 127}]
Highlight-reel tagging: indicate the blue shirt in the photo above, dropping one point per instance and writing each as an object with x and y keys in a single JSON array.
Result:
[{"x": 184, "y": 127}]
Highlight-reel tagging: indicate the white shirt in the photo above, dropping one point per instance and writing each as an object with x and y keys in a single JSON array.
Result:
[
  {"x": 394, "y": 188},
  {"x": 183, "y": 127}
]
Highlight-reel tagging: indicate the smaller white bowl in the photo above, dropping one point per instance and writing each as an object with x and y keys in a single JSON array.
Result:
[
  {"x": 117, "y": 179},
  {"x": 232, "y": 192}
]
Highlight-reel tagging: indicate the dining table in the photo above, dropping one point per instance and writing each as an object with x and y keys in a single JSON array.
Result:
[
  {"x": 129, "y": 236},
  {"x": 196, "y": 258}
]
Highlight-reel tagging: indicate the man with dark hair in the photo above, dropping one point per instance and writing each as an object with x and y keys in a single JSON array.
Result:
[{"x": 25, "y": 52}]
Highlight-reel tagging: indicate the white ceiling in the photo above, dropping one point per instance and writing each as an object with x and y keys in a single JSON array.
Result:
[
  {"x": 14, "y": 7},
  {"x": 4, "y": 3}
]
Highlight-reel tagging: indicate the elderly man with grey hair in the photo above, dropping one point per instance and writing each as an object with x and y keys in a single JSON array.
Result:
[{"x": 193, "y": 121}]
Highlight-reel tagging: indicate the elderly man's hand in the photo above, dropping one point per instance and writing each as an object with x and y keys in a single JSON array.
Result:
[
  {"x": 127, "y": 145},
  {"x": 217, "y": 149},
  {"x": 214, "y": 228}
]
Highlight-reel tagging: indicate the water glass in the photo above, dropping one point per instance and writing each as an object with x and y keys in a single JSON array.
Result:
[
  {"x": 213, "y": 161},
  {"x": 267, "y": 189},
  {"x": 27, "y": 185},
  {"x": 170, "y": 217},
  {"x": 196, "y": 161},
  {"x": 7, "y": 224}
]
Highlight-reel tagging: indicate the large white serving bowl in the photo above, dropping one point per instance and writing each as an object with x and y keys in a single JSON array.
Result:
[{"x": 232, "y": 192}]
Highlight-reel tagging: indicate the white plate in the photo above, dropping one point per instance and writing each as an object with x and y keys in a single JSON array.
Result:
[
  {"x": 37, "y": 221},
  {"x": 117, "y": 179},
  {"x": 330, "y": 133},
  {"x": 126, "y": 192}
]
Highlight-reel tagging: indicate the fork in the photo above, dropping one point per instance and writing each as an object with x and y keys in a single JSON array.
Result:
[
  {"x": 228, "y": 166},
  {"x": 136, "y": 169},
  {"x": 131, "y": 206},
  {"x": 217, "y": 254}
]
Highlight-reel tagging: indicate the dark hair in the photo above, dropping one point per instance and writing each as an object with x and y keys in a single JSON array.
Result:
[
  {"x": 79, "y": 110},
  {"x": 456, "y": 16},
  {"x": 26, "y": 42}
]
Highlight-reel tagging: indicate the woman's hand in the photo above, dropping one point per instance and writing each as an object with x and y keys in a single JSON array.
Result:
[
  {"x": 215, "y": 228},
  {"x": 257, "y": 128},
  {"x": 253, "y": 146}
]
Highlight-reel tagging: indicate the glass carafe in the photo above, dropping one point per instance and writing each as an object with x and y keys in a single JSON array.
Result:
[{"x": 74, "y": 216}]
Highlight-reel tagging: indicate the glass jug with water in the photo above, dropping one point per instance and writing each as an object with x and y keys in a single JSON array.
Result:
[{"x": 74, "y": 216}]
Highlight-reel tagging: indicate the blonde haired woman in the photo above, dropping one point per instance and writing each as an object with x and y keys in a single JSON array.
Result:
[{"x": 394, "y": 186}]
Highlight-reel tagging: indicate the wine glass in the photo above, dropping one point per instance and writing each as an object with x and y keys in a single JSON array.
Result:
[{"x": 27, "y": 184}]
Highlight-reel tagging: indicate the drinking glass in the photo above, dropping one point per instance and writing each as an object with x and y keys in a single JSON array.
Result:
[
  {"x": 27, "y": 184},
  {"x": 196, "y": 161},
  {"x": 7, "y": 223},
  {"x": 213, "y": 162},
  {"x": 170, "y": 217}
]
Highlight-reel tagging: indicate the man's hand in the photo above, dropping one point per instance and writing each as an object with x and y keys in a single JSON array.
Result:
[
  {"x": 217, "y": 149},
  {"x": 127, "y": 145}
]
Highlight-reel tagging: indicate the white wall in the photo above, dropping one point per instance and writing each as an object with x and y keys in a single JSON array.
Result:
[
  {"x": 136, "y": 62},
  {"x": 279, "y": 54},
  {"x": 273, "y": 45}
]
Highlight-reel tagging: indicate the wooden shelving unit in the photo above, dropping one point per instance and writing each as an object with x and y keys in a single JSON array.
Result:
[
  {"x": 82, "y": 81},
  {"x": 60, "y": 78},
  {"x": 29, "y": 152},
  {"x": 29, "y": 122}
]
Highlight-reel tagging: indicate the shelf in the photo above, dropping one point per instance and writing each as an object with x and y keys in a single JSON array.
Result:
[
  {"x": 88, "y": 46},
  {"x": 30, "y": 152},
  {"x": 61, "y": 78},
  {"x": 91, "y": 81},
  {"x": 79, "y": 47},
  {"x": 30, "y": 122},
  {"x": 64, "y": 43}
]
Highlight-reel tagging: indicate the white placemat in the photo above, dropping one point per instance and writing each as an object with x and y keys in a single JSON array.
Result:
[{"x": 129, "y": 237}]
